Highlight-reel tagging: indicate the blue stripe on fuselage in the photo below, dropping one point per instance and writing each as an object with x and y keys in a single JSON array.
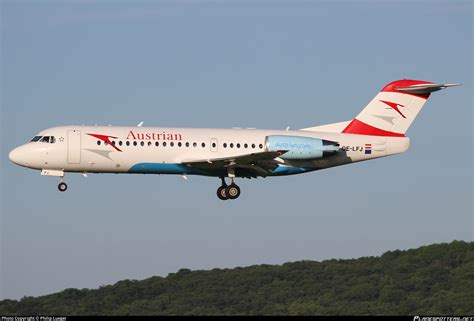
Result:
[
  {"x": 162, "y": 168},
  {"x": 290, "y": 170}
]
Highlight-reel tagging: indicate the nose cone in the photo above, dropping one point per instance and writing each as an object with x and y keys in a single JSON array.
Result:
[
  {"x": 14, "y": 156},
  {"x": 18, "y": 156}
]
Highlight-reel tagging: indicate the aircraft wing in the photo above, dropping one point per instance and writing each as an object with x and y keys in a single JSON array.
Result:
[{"x": 259, "y": 164}]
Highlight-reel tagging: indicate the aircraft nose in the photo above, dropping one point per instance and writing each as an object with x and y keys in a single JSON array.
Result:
[
  {"x": 17, "y": 156},
  {"x": 14, "y": 155}
]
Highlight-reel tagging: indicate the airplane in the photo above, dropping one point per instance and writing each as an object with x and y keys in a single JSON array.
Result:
[{"x": 377, "y": 131}]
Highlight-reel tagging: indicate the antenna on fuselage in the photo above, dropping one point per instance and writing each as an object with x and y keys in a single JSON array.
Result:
[{"x": 140, "y": 124}]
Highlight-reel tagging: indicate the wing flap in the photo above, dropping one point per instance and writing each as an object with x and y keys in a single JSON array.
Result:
[{"x": 261, "y": 164}]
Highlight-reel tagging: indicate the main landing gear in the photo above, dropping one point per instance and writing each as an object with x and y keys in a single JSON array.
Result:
[{"x": 225, "y": 192}]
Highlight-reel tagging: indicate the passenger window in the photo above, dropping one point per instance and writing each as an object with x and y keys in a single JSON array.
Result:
[
  {"x": 164, "y": 144},
  {"x": 142, "y": 143},
  {"x": 187, "y": 144},
  {"x": 127, "y": 143},
  {"x": 135, "y": 143},
  {"x": 179, "y": 144},
  {"x": 253, "y": 145},
  {"x": 157, "y": 144},
  {"x": 113, "y": 143},
  {"x": 35, "y": 139},
  {"x": 225, "y": 145},
  {"x": 238, "y": 145},
  {"x": 246, "y": 145},
  {"x": 195, "y": 144},
  {"x": 120, "y": 143},
  {"x": 231, "y": 145},
  {"x": 213, "y": 145},
  {"x": 203, "y": 145},
  {"x": 171, "y": 144},
  {"x": 149, "y": 143},
  {"x": 98, "y": 142},
  {"x": 261, "y": 146}
]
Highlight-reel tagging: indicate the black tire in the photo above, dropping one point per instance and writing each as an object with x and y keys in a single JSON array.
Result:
[
  {"x": 232, "y": 191},
  {"x": 221, "y": 193},
  {"x": 62, "y": 187}
]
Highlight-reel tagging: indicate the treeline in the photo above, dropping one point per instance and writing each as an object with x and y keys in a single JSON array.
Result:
[{"x": 435, "y": 280}]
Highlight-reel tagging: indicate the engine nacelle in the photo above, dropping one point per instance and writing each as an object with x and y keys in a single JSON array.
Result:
[{"x": 300, "y": 147}]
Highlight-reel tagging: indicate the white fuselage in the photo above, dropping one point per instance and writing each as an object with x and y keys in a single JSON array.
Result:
[
  {"x": 158, "y": 150},
  {"x": 377, "y": 131}
]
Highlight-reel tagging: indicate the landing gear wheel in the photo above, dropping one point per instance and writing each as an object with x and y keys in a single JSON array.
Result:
[
  {"x": 221, "y": 193},
  {"x": 62, "y": 187},
  {"x": 232, "y": 191}
]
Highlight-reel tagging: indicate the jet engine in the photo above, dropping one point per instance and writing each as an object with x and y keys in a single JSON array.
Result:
[{"x": 300, "y": 147}]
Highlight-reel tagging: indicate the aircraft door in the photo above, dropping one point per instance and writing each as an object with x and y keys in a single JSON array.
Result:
[
  {"x": 73, "y": 146},
  {"x": 213, "y": 144}
]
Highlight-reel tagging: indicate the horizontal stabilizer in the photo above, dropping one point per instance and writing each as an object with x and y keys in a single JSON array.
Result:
[{"x": 424, "y": 88}]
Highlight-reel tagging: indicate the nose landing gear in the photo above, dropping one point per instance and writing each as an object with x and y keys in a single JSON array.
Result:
[
  {"x": 225, "y": 192},
  {"x": 62, "y": 187}
]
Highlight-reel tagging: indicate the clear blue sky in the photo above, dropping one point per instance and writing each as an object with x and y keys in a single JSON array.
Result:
[{"x": 264, "y": 64}]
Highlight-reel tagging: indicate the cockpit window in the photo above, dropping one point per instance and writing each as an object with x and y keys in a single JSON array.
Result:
[{"x": 44, "y": 139}]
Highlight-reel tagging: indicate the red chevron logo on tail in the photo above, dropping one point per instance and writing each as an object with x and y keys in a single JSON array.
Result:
[{"x": 394, "y": 106}]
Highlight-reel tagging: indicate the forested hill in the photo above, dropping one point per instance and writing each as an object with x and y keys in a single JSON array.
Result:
[{"x": 436, "y": 280}]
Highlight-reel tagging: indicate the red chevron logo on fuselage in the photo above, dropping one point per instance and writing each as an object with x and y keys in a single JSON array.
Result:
[
  {"x": 106, "y": 139},
  {"x": 394, "y": 106}
]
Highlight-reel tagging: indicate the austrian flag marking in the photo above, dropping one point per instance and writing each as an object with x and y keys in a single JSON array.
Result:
[{"x": 368, "y": 149}]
